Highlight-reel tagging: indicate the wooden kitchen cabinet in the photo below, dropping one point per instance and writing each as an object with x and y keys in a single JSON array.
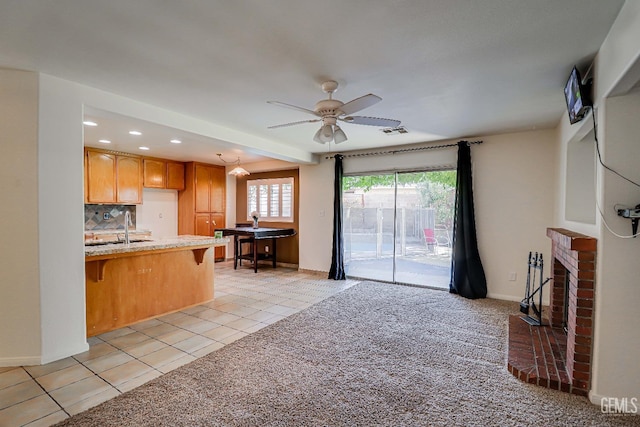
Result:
[
  {"x": 128, "y": 180},
  {"x": 112, "y": 178},
  {"x": 201, "y": 205},
  {"x": 155, "y": 173},
  {"x": 100, "y": 177},
  {"x": 175, "y": 175},
  {"x": 210, "y": 182},
  {"x": 160, "y": 173}
]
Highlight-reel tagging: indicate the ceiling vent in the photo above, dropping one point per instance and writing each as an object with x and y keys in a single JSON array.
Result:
[{"x": 396, "y": 130}]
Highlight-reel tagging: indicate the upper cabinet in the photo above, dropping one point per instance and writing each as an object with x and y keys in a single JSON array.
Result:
[
  {"x": 128, "y": 180},
  {"x": 112, "y": 178},
  {"x": 210, "y": 183},
  {"x": 118, "y": 178},
  {"x": 160, "y": 173},
  {"x": 175, "y": 175},
  {"x": 100, "y": 177},
  {"x": 155, "y": 173}
]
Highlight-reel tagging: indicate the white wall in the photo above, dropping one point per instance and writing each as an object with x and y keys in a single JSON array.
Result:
[
  {"x": 513, "y": 182},
  {"x": 60, "y": 231},
  {"x": 316, "y": 216},
  {"x": 616, "y": 336},
  {"x": 514, "y": 175},
  {"x": 158, "y": 212},
  {"x": 19, "y": 266},
  {"x": 617, "y": 287}
]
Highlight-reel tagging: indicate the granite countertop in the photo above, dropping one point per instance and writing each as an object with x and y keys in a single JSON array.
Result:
[{"x": 166, "y": 243}]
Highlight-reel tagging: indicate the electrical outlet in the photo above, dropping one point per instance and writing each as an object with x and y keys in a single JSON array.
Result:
[
  {"x": 266, "y": 248},
  {"x": 513, "y": 276}
]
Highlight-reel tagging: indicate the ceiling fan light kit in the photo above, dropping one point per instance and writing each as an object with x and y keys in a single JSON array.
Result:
[{"x": 330, "y": 111}]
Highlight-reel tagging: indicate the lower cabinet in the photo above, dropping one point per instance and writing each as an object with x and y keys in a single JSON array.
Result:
[{"x": 205, "y": 225}]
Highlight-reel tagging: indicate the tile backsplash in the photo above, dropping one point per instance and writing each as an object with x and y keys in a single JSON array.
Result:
[{"x": 107, "y": 217}]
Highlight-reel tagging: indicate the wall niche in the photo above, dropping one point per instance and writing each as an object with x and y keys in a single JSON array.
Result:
[{"x": 580, "y": 200}]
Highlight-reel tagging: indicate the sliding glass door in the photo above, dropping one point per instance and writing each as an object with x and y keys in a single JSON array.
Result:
[{"x": 397, "y": 227}]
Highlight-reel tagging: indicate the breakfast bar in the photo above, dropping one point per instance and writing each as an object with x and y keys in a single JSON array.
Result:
[{"x": 126, "y": 284}]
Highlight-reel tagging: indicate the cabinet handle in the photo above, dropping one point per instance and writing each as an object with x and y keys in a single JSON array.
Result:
[{"x": 214, "y": 222}]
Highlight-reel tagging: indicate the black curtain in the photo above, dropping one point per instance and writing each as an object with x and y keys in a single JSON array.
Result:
[
  {"x": 337, "y": 258},
  {"x": 467, "y": 274}
]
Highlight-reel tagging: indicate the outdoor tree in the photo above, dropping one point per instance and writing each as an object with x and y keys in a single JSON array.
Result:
[{"x": 436, "y": 189}]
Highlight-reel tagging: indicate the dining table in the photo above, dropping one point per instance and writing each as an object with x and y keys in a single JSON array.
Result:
[{"x": 253, "y": 235}]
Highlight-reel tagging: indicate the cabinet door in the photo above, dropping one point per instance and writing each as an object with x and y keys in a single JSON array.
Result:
[
  {"x": 202, "y": 187},
  {"x": 155, "y": 172},
  {"x": 217, "y": 221},
  {"x": 175, "y": 176},
  {"x": 101, "y": 177},
  {"x": 218, "y": 184},
  {"x": 129, "y": 179},
  {"x": 203, "y": 225}
]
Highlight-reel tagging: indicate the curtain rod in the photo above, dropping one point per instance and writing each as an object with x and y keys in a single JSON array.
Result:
[{"x": 404, "y": 150}]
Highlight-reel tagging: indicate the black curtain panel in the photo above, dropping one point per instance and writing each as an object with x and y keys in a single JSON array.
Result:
[
  {"x": 337, "y": 258},
  {"x": 467, "y": 275}
]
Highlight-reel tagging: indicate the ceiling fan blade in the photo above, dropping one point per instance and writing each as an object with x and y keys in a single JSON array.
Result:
[
  {"x": 360, "y": 103},
  {"x": 293, "y": 107},
  {"x": 293, "y": 123},
  {"x": 371, "y": 121}
]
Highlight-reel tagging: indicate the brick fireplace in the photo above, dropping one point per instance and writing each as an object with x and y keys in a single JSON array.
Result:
[{"x": 558, "y": 355}]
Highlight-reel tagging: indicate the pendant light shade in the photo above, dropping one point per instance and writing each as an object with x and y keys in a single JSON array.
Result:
[{"x": 238, "y": 170}]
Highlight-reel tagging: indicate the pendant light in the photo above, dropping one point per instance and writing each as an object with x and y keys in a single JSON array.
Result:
[{"x": 238, "y": 170}]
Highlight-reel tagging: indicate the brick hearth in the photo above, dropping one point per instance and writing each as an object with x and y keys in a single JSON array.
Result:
[{"x": 546, "y": 355}]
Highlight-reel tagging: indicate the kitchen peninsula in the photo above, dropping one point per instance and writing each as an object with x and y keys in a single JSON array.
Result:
[{"x": 126, "y": 284}]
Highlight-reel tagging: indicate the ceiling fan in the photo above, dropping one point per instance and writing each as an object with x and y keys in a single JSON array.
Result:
[{"x": 330, "y": 111}]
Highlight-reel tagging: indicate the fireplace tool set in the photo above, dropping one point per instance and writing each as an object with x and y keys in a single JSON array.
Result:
[{"x": 534, "y": 272}]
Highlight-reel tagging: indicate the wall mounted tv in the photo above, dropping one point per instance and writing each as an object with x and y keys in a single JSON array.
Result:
[{"x": 577, "y": 96}]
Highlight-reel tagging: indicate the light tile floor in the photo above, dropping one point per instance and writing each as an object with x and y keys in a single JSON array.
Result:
[{"x": 126, "y": 358}]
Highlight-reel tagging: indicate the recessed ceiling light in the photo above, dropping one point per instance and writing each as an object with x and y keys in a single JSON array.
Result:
[
  {"x": 176, "y": 141},
  {"x": 104, "y": 141},
  {"x": 135, "y": 132},
  {"x": 143, "y": 148},
  {"x": 90, "y": 123}
]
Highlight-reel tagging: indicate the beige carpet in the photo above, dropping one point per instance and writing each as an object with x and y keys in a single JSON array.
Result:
[{"x": 373, "y": 355}]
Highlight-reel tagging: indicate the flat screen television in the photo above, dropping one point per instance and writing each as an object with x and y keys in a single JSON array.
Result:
[{"x": 577, "y": 96}]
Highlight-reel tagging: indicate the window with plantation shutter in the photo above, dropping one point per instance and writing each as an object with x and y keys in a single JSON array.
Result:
[{"x": 271, "y": 198}]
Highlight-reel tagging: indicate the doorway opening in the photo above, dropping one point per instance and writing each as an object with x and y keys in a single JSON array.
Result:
[{"x": 398, "y": 226}]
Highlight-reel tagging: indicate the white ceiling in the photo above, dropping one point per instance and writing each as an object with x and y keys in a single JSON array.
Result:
[{"x": 445, "y": 68}]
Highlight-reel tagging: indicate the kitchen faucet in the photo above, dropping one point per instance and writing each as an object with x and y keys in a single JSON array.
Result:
[{"x": 127, "y": 223}]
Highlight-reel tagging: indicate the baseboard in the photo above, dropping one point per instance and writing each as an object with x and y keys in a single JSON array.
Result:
[
  {"x": 20, "y": 361},
  {"x": 596, "y": 398},
  {"x": 81, "y": 348},
  {"x": 504, "y": 297},
  {"x": 323, "y": 274}
]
